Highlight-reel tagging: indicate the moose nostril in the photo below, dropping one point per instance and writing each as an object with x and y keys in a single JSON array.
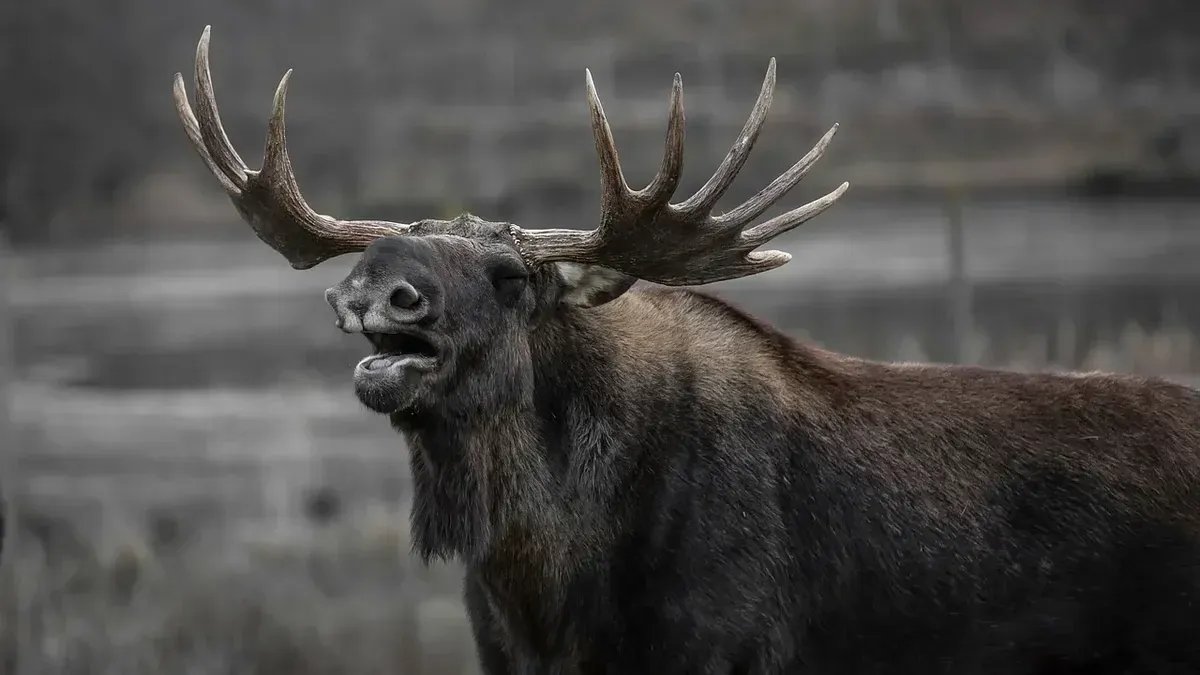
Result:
[{"x": 405, "y": 296}]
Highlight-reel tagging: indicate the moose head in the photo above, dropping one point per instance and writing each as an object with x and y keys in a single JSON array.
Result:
[{"x": 449, "y": 304}]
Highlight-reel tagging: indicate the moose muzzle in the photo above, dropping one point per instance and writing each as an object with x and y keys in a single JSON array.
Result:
[{"x": 390, "y": 290}]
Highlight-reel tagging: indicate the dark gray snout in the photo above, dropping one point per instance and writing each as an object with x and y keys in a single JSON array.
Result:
[{"x": 391, "y": 287}]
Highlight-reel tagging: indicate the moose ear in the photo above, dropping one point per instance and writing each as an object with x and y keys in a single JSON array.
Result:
[{"x": 591, "y": 285}]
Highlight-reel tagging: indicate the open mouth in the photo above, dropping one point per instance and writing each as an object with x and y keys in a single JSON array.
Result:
[{"x": 399, "y": 350}]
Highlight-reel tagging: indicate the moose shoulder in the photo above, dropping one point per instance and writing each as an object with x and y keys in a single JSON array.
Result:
[{"x": 646, "y": 479}]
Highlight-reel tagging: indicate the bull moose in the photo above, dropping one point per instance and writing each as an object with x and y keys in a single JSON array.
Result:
[{"x": 648, "y": 480}]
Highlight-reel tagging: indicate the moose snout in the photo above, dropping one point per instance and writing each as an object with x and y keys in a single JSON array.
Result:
[{"x": 374, "y": 307}]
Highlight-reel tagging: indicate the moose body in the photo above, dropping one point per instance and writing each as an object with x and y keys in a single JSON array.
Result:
[
  {"x": 729, "y": 501},
  {"x": 647, "y": 480}
]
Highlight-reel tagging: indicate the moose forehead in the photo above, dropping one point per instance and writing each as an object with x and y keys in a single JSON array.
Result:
[
  {"x": 424, "y": 244},
  {"x": 465, "y": 225}
]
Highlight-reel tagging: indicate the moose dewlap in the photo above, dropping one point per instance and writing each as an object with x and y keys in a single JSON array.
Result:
[{"x": 649, "y": 480}]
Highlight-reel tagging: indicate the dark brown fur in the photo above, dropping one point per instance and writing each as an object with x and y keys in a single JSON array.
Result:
[
  {"x": 661, "y": 483},
  {"x": 653, "y": 482}
]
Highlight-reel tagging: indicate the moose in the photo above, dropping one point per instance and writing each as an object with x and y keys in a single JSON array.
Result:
[{"x": 640, "y": 478}]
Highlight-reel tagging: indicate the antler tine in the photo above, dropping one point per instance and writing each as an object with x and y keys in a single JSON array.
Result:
[
  {"x": 277, "y": 174},
  {"x": 666, "y": 180},
  {"x": 613, "y": 181},
  {"x": 764, "y": 232},
  {"x": 712, "y": 191},
  {"x": 275, "y": 156},
  {"x": 192, "y": 128},
  {"x": 212, "y": 131},
  {"x": 642, "y": 235},
  {"x": 269, "y": 199},
  {"x": 759, "y": 203}
]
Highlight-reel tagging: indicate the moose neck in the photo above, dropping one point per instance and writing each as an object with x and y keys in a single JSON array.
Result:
[
  {"x": 533, "y": 477},
  {"x": 478, "y": 484},
  {"x": 499, "y": 483}
]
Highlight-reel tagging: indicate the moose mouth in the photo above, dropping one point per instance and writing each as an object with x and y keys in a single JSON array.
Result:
[{"x": 394, "y": 351}]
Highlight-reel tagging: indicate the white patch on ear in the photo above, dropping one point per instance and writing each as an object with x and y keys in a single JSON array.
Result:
[{"x": 591, "y": 285}]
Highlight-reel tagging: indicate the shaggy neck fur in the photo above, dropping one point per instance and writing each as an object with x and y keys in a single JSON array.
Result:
[
  {"x": 502, "y": 479},
  {"x": 499, "y": 481}
]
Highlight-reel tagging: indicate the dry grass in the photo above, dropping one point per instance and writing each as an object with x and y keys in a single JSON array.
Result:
[
  {"x": 1171, "y": 350},
  {"x": 346, "y": 600}
]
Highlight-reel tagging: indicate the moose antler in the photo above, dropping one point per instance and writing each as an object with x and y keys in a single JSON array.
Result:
[
  {"x": 640, "y": 234},
  {"x": 643, "y": 235},
  {"x": 269, "y": 199}
]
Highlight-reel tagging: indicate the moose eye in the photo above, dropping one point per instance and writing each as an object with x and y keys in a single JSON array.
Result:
[
  {"x": 509, "y": 270},
  {"x": 509, "y": 280}
]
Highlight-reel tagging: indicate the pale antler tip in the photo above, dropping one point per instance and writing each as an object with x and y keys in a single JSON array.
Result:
[
  {"x": 592, "y": 95},
  {"x": 676, "y": 97},
  {"x": 281, "y": 92},
  {"x": 769, "y": 259},
  {"x": 827, "y": 137},
  {"x": 202, "y": 50},
  {"x": 769, "y": 80},
  {"x": 179, "y": 93},
  {"x": 768, "y": 88}
]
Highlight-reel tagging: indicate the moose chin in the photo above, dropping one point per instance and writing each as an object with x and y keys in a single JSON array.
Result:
[{"x": 639, "y": 478}]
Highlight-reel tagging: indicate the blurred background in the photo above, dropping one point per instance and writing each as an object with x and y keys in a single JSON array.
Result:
[{"x": 195, "y": 487}]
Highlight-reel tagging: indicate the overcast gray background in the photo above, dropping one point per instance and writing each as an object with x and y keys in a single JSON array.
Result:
[{"x": 196, "y": 488}]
